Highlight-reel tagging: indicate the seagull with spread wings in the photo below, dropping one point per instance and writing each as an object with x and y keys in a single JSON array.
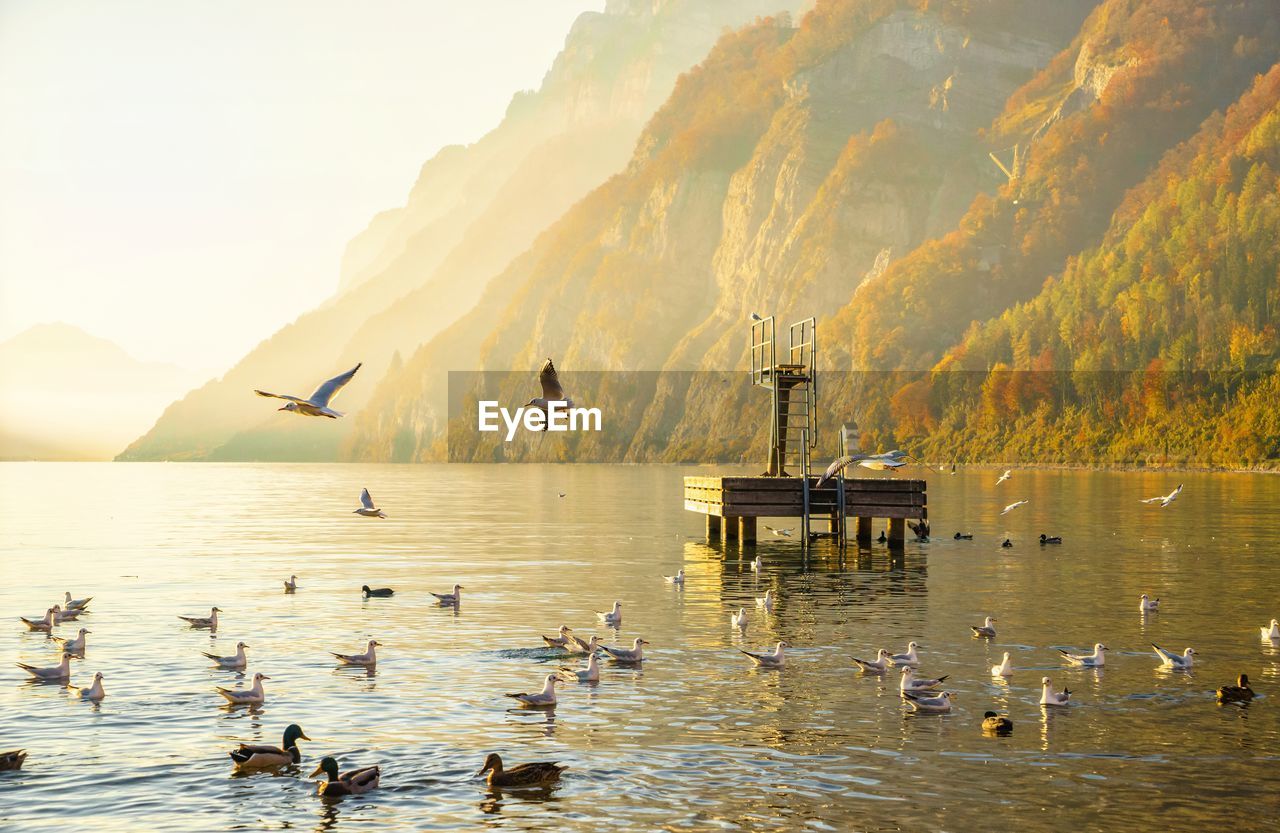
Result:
[
  {"x": 367, "y": 509},
  {"x": 1165, "y": 500},
  {"x": 317, "y": 404},
  {"x": 551, "y": 390}
]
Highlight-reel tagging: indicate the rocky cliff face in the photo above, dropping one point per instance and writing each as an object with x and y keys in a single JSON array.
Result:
[{"x": 419, "y": 267}]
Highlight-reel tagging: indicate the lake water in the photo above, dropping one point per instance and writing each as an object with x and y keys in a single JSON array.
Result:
[{"x": 696, "y": 739}]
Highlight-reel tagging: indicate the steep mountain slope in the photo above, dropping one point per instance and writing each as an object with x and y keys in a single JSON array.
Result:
[
  {"x": 68, "y": 395},
  {"x": 773, "y": 177},
  {"x": 417, "y": 268}
]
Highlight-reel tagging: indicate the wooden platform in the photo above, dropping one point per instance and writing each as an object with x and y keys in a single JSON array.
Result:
[{"x": 743, "y": 499}]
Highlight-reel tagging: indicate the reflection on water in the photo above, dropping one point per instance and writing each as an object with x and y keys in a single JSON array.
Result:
[{"x": 693, "y": 738}]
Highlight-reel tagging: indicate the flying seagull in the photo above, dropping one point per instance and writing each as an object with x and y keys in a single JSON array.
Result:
[
  {"x": 551, "y": 390},
  {"x": 1165, "y": 500},
  {"x": 317, "y": 404},
  {"x": 367, "y": 509},
  {"x": 1007, "y": 474},
  {"x": 1012, "y": 506}
]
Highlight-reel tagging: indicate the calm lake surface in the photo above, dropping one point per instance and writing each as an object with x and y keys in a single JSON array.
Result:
[{"x": 696, "y": 739}]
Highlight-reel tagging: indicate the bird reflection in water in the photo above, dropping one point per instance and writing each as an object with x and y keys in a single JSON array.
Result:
[{"x": 492, "y": 803}]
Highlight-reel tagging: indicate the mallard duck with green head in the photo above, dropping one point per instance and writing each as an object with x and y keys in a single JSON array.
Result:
[
  {"x": 262, "y": 756},
  {"x": 996, "y": 724},
  {"x": 524, "y": 775},
  {"x": 351, "y": 782}
]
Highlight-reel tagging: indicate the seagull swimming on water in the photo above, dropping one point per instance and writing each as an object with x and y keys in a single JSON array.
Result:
[
  {"x": 61, "y": 671},
  {"x": 590, "y": 674},
  {"x": 546, "y": 697},
  {"x": 577, "y": 645},
  {"x": 757, "y": 565},
  {"x": 1095, "y": 660},
  {"x": 210, "y": 621},
  {"x": 875, "y": 666},
  {"x": 367, "y": 509},
  {"x": 910, "y": 658},
  {"x": 366, "y": 660},
  {"x": 1171, "y": 660},
  {"x": 910, "y": 682},
  {"x": 1013, "y": 506},
  {"x": 1165, "y": 500},
  {"x": 766, "y": 601},
  {"x": 1272, "y": 632},
  {"x": 44, "y": 625},
  {"x": 1148, "y": 604},
  {"x": 453, "y": 599},
  {"x": 986, "y": 629},
  {"x": 739, "y": 619},
  {"x": 612, "y": 617},
  {"x": 775, "y": 660},
  {"x": 633, "y": 654},
  {"x": 561, "y": 641},
  {"x": 95, "y": 692},
  {"x": 235, "y": 661},
  {"x": 291, "y": 585},
  {"x": 1049, "y": 697},
  {"x": 1004, "y": 669},
  {"x": 252, "y": 696},
  {"x": 73, "y": 646},
  {"x": 677, "y": 579},
  {"x": 936, "y": 705},
  {"x": 316, "y": 405},
  {"x": 76, "y": 604}
]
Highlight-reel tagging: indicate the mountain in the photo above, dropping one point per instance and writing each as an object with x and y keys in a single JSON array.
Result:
[
  {"x": 840, "y": 168},
  {"x": 417, "y": 268},
  {"x": 68, "y": 395}
]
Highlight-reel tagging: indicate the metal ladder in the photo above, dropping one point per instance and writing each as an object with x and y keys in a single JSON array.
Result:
[
  {"x": 839, "y": 528},
  {"x": 793, "y": 423}
]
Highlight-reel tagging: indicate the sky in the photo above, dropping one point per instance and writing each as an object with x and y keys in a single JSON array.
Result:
[{"x": 181, "y": 177}]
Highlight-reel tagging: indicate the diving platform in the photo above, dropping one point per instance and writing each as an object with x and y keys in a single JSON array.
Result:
[{"x": 732, "y": 505}]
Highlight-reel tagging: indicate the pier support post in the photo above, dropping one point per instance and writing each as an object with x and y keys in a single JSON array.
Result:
[
  {"x": 897, "y": 533},
  {"x": 730, "y": 528},
  {"x": 748, "y": 530},
  {"x": 864, "y": 532},
  {"x": 713, "y": 527}
]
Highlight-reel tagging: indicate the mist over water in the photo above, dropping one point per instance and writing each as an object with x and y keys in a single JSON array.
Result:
[{"x": 694, "y": 739}]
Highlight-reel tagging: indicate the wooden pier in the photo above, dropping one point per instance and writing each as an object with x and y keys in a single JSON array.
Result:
[{"x": 732, "y": 504}]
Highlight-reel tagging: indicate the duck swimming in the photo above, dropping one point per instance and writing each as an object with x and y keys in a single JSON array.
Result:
[
  {"x": 351, "y": 782},
  {"x": 250, "y": 756},
  {"x": 380, "y": 592},
  {"x": 964, "y": 536},
  {"x": 882, "y": 539},
  {"x": 1050, "y": 539},
  {"x": 1238, "y": 693},
  {"x": 524, "y": 775},
  {"x": 996, "y": 724},
  {"x": 10, "y": 761},
  {"x": 1006, "y": 543}
]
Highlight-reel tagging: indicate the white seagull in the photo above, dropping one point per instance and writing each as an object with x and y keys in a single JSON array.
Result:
[
  {"x": 60, "y": 615},
  {"x": 838, "y": 465},
  {"x": 634, "y": 654},
  {"x": 739, "y": 619},
  {"x": 1007, "y": 474},
  {"x": 1004, "y": 669},
  {"x": 291, "y": 585},
  {"x": 766, "y": 601},
  {"x": 613, "y": 617},
  {"x": 875, "y": 666},
  {"x": 45, "y": 625},
  {"x": 985, "y": 629},
  {"x": 316, "y": 405},
  {"x": 1272, "y": 632},
  {"x": 366, "y": 660},
  {"x": 1148, "y": 604},
  {"x": 1049, "y": 697},
  {"x": 453, "y": 599},
  {"x": 73, "y": 646},
  {"x": 781, "y": 533},
  {"x": 252, "y": 696},
  {"x": 236, "y": 661},
  {"x": 1171, "y": 660},
  {"x": 577, "y": 645},
  {"x": 775, "y": 660},
  {"x": 888, "y": 460},
  {"x": 757, "y": 565},
  {"x": 93, "y": 693},
  {"x": 61, "y": 671},
  {"x": 1013, "y": 506},
  {"x": 910, "y": 682},
  {"x": 920, "y": 703},
  {"x": 552, "y": 391},
  {"x": 910, "y": 658},
  {"x": 1165, "y": 500},
  {"x": 367, "y": 509},
  {"x": 590, "y": 674},
  {"x": 210, "y": 621},
  {"x": 564, "y": 640},
  {"x": 546, "y": 697},
  {"x": 1095, "y": 660},
  {"x": 76, "y": 604},
  {"x": 677, "y": 579}
]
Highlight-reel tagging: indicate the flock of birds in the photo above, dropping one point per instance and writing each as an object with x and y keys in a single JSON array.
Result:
[{"x": 919, "y": 693}]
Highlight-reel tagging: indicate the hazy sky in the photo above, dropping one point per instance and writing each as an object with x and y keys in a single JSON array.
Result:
[{"x": 180, "y": 176}]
